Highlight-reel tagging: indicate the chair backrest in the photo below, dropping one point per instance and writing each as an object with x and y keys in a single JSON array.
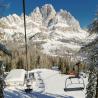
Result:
[{"x": 71, "y": 82}]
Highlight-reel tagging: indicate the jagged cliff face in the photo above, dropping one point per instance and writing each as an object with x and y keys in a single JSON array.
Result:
[{"x": 57, "y": 32}]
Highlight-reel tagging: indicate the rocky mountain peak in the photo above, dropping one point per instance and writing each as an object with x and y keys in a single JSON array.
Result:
[
  {"x": 36, "y": 16},
  {"x": 71, "y": 21},
  {"x": 47, "y": 10},
  {"x": 48, "y": 13}
]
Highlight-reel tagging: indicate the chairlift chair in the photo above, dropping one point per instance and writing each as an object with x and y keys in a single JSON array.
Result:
[
  {"x": 28, "y": 88},
  {"x": 79, "y": 79},
  {"x": 69, "y": 82}
]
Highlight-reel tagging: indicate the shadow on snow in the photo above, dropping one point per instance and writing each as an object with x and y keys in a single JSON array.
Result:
[{"x": 22, "y": 94}]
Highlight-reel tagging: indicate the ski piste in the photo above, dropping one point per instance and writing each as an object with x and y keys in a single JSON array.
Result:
[{"x": 47, "y": 83}]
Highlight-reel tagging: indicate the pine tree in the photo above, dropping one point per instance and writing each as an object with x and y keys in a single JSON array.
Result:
[
  {"x": 91, "y": 87},
  {"x": 92, "y": 91},
  {"x": 2, "y": 48}
]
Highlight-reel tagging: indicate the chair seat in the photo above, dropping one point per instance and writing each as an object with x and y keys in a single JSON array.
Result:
[
  {"x": 73, "y": 89},
  {"x": 28, "y": 90}
]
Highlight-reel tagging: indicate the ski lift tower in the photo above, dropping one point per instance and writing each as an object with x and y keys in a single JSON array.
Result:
[{"x": 28, "y": 86}]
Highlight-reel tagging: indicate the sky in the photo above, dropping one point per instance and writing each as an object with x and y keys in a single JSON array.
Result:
[{"x": 83, "y": 10}]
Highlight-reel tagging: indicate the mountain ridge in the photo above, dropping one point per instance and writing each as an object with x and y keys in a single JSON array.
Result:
[{"x": 54, "y": 30}]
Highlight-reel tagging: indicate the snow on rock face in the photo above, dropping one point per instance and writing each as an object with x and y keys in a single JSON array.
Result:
[
  {"x": 48, "y": 13},
  {"x": 58, "y": 30},
  {"x": 36, "y": 16},
  {"x": 59, "y": 48},
  {"x": 67, "y": 18}
]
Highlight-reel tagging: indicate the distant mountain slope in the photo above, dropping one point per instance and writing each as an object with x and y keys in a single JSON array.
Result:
[{"x": 57, "y": 32}]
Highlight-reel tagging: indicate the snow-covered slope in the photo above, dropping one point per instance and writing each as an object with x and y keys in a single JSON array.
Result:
[
  {"x": 15, "y": 75},
  {"x": 54, "y": 84},
  {"x": 55, "y": 31}
]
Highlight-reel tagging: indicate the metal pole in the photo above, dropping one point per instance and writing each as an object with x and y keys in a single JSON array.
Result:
[
  {"x": 26, "y": 48},
  {"x": 78, "y": 70}
]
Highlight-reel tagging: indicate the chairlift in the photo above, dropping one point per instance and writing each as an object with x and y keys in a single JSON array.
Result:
[
  {"x": 28, "y": 84},
  {"x": 79, "y": 82},
  {"x": 28, "y": 88}
]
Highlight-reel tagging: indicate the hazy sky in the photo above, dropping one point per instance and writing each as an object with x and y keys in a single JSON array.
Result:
[{"x": 82, "y": 10}]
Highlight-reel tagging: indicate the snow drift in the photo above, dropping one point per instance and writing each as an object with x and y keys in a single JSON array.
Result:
[{"x": 15, "y": 77}]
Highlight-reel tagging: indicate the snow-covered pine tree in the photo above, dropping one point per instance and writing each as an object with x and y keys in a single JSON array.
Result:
[
  {"x": 91, "y": 87},
  {"x": 6, "y": 51},
  {"x": 92, "y": 91}
]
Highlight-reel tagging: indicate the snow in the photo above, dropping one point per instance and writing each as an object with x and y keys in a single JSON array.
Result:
[
  {"x": 59, "y": 25},
  {"x": 34, "y": 31},
  {"x": 52, "y": 45},
  {"x": 48, "y": 84},
  {"x": 91, "y": 37},
  {"x": 72, "y": 34},
  {"x": 15, "y": 76}
]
